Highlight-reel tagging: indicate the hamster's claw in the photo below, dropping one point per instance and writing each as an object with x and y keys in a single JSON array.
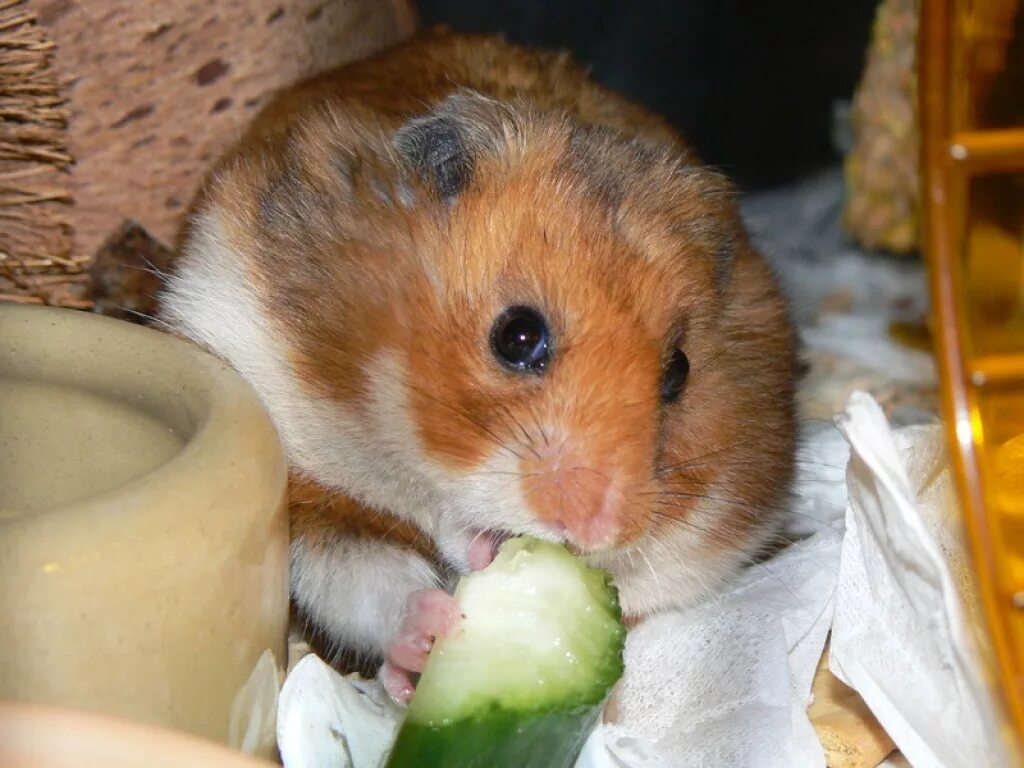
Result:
[{"x": 430, "y": 613}]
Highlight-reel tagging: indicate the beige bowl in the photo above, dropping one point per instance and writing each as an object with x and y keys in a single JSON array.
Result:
[
  {"x": 43, "y": 737},
  {"x": 143, "y": 529}
]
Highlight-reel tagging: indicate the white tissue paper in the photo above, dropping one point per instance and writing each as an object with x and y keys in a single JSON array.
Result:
[
  {"x": 900, "y": 635},
  {"x": 727, "y": 683},
  {"x": 329, "y": 721}
]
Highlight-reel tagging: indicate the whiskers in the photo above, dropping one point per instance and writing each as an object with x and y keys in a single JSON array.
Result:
[
  {"x": 692, "y": 463},
  {"x": 514, "y": 429},
  {"x": 148, "y": 319},
  {"x": 149, "y": 267},
  {"x": 507, "y": 441},
  {"x": 709, "y": 495},
  {"x": 528, "y": 439}
]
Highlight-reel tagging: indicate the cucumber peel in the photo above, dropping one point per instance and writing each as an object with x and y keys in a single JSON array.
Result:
[{"x": 524, "y": 677}]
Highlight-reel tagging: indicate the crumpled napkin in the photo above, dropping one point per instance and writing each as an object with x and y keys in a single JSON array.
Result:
[
  {"x": 329, "y": 721},
  {"x": 901, "y": 636},
  {"x": 728, "y": 682}
]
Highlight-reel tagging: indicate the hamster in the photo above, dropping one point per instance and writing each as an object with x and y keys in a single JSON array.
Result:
[{"x": 482, "y": 296}]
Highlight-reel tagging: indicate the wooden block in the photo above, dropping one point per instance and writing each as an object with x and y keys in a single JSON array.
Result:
[
  {"x": 850, "y": 734},
  {"x": 157, "y": 90}
]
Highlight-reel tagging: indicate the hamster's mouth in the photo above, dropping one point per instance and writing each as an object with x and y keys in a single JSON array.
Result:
[
  {"x": 483, "y": 547},
  {"x": 484, "y": 544}
]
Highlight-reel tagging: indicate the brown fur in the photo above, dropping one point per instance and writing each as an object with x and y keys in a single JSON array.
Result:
[
  {"x": 585, "y": 206},
  {"x": 320, "y": 515},
  {"x": 408, "y": 79}
]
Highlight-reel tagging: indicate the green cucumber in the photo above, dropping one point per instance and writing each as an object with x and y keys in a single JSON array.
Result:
[{"x": 522, "y": 681}]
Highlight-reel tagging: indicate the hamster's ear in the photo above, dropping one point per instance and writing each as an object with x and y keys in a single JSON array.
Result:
[{"x": 442, "y": 146}]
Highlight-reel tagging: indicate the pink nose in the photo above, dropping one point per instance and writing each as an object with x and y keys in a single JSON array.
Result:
[{"x": 582, "y": 500}]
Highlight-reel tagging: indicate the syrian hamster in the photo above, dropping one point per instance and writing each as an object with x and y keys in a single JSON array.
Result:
[{"x": 482, "y": 296}]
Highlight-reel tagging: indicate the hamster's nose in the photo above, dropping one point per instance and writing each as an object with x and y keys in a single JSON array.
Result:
[{"x": 582, "y": 500}]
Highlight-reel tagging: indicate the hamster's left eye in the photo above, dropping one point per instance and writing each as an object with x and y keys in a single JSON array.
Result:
[
  {"x": 520, "y": 339},
  {"x": 675, "y": 376}
]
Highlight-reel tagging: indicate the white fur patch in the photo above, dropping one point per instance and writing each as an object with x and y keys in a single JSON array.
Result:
[
  {"x": 356, "y": 590},
  {"x": 213, "y": 300},
  {"x": 376, "y": 456}
]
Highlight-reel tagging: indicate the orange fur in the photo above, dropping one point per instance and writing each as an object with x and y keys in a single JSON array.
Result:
[
  {"x": 585, "y": 207},
  {"x": 321, "y": 516}
]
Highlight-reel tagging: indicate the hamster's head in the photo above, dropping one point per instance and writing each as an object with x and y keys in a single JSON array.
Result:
[{"x": 503, "y": 322}]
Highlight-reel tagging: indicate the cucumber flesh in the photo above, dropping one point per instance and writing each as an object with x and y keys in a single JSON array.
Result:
[{"x": 523, "y": 680}]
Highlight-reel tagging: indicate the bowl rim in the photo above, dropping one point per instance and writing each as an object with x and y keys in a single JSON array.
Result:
[
  {"x": 219, "y": 400},
  {"x": 51, "y": 737}
]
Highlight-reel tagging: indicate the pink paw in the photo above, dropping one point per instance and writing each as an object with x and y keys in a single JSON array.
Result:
[{"x": 429, "y": 613}]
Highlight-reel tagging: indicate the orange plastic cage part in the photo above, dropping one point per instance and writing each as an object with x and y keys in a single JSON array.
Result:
[{"x": 971, "y": 76}]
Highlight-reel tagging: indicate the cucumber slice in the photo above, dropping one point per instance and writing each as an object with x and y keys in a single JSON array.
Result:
[{"x": 523, "y": 680}]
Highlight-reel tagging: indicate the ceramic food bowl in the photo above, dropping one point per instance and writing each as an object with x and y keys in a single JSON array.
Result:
[
  {"x": 44, "y": 737},
  {"x": 143, "y": 529}
]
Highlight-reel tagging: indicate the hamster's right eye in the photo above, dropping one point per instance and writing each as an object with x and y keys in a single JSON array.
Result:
[
  {"x": 675, "y": 377},
  {"x": 520, "y": 340}
]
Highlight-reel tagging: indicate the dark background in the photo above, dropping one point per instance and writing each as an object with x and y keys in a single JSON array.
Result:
[{"x": 750, "y": 83}]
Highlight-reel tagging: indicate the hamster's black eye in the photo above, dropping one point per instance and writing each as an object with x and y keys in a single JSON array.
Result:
[
  {"x": 520, "y": 339},
  {"x": 675, "y": 377}
]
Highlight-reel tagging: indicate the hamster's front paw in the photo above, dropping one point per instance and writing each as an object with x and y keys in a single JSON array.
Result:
[{"x": 429, "y": 613}]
